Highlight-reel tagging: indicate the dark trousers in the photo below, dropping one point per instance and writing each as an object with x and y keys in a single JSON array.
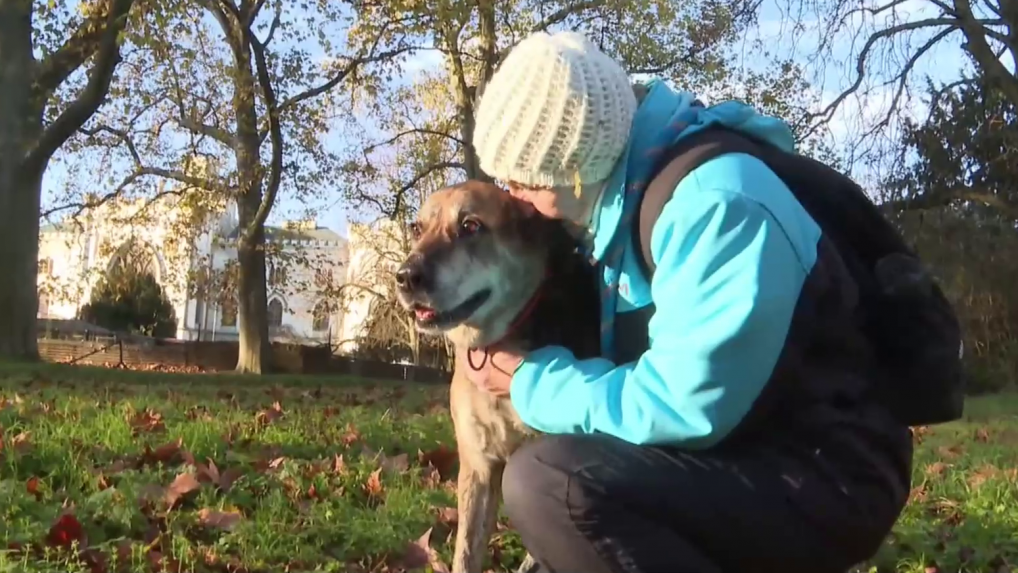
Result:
[{"x": 595, "y": 504}]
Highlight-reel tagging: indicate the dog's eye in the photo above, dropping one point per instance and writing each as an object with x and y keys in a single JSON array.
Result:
[
  {"x": 415, "y": 230},
  {"x": 470, "y": 226}
]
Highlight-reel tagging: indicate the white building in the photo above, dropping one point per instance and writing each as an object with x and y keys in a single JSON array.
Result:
[{"x": 177, "y": 239}]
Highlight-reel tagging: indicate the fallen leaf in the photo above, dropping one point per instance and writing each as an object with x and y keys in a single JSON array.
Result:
[
  {"x": 270, "y": 414},
  {"x": 32, "y": 485},
  {"x": 950, "y": 452},
  {"x": 373, "y": 487},
  {"x": 936, "y": 468},
  {"x": 219, "y": 519},
  {"x": 165, "y": 454},
  {"x": 982, "y": 435},
  {"x": 420, "y": 554},
  {"x": 351, "y": 435},
  {"x": 147, "y": 420},
  {"x": 228, "y": 478},
  {"x": 442, "y": 459},
  {"x": 65, "y": 531},
  {"x": 338, "y": 464},
  {"x": 182, "y": 485}
]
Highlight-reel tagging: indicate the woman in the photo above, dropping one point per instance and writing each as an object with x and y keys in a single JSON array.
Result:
[{"x": 741, "y": 438}]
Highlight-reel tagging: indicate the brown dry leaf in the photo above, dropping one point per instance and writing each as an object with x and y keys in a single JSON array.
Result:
[
  {"x": 182, "y": 485},
  {"x": 338, "y": 464},
  {"x": 419, "y": 554},
  {"x": 226, "y": 520},
  {"x": 936, "y": 469},
  {"x": 65, "y": 531},
  {"x": 32, "y": 485},
  {"x": 270, "y": 414},
  {"x": 103, "y": 482},
  {"x": 950, "y": 452},
  {"x": 147, "y": 420},
  {"x": 373, "y": 487},
  {"x": 982, "y": 435},
  {"x": 20, "y": 442},
  {"x": 165, "y": 454},
  {"x": 981, "y": 475},
  {"x": 228, "y": 478},
  {"x": 351, "y": 435},
  {"x": 441, "y": 458}
]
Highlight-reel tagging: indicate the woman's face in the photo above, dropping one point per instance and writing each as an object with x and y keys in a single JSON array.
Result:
[{"x": 553, "y": 202}]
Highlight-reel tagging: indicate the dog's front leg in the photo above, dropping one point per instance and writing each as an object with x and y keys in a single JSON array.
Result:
[{"x": 479, "y": 491}]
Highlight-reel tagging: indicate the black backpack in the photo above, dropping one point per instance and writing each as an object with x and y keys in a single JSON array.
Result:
[{"x": 915, "y": 333}]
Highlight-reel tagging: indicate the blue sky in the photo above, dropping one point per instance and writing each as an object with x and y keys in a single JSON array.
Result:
[{"x": 775, "y": 29}]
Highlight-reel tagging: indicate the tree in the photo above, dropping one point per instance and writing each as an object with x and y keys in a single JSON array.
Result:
[
  {"x": 236, "y": 83},
  {"x": 966, "y": 152},
  {"x": 891, "y": 40},
  {"x": 45, "y": 101},
  {"x": 129, "y": 299},
  {"x": 428, "y": 123}
]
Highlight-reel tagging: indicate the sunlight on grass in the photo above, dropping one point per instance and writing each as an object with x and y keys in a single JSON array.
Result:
[{"x": 105, "y": 470}]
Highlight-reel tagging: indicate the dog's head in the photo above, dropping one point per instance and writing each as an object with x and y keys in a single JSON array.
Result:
[{"x": 478, "y": 256}]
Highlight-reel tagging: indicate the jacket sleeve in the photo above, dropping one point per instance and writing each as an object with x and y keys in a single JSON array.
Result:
[{"x": 726, "y": 286}]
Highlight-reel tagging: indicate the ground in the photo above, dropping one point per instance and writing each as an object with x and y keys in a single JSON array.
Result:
[{"x": 107, "y": 470}]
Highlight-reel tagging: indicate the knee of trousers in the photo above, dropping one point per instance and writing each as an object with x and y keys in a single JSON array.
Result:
[{"x": 543, "y": 485}]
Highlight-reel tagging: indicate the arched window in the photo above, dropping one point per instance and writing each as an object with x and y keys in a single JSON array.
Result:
[
  {"x": 275, "y": 313},
  {"x": 320, "y": 317}
]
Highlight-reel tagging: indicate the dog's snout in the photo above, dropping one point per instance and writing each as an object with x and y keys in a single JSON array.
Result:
[{"x": 412, "y": 274}]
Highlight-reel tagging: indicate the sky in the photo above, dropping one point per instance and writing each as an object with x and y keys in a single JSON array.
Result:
[{"x": 830, "y": 77}]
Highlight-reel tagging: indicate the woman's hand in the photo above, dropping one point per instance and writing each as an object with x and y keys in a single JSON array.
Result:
[{"x": 490, "y": 370}]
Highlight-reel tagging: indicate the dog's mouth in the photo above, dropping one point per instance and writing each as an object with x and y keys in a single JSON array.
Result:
[{"x": 431, "y": 319}]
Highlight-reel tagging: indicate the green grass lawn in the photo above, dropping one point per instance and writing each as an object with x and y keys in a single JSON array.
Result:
[{"x": 105, "y": 470}]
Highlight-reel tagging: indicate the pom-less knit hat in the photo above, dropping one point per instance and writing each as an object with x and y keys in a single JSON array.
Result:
[{"x": 557, "y": 109}]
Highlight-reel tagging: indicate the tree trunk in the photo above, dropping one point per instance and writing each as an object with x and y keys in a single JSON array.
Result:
[
  {"x": 252, "y": 323},
  {"x": 20, "y": 126},
  {"x": 255, "y": 347}
]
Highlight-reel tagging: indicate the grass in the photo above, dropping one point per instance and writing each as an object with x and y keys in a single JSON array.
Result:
[{"x": 106, "y": 470}]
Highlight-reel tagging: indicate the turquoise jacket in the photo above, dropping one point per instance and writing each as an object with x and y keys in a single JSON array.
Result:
[{"x": 733, "y": 249}]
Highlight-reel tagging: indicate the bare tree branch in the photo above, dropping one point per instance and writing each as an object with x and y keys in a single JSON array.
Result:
[
  {"x": 70, "y": 56},
  {"x": 413, "y": 131},
  {"x": 275, "y": 131},
  {"x": 107, "y": 56},
  {"x": 398, "y": 205},
  {"x": 977, "y": 45}
]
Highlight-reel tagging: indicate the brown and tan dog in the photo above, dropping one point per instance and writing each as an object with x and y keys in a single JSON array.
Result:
[{"x": 486, "y": 270}]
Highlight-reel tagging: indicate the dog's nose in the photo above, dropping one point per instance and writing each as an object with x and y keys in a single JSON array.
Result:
[{"x": 411, "y": 274}]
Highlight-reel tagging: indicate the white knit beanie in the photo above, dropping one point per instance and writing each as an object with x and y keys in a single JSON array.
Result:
[{"x": 556, "y": 109}]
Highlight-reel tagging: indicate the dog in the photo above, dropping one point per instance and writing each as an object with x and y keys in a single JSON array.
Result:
[{"x": 486, "y": 269}]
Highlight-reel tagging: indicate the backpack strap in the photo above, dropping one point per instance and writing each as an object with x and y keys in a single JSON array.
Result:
[{"x": 680, "y": 160}]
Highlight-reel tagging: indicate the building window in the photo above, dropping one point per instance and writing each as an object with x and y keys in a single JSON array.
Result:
[
  {"x": 323, "y": 278},
  {"x": 45, "y": 267},
  {"x": 277, "y": 275},
  {"x": 320, "y": 317},
  {"x": 275, "y": 314},
  {"x": 228, "y": 316}
]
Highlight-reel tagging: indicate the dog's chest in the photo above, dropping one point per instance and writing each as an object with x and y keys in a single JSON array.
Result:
[{"x": 485, "y": 425}]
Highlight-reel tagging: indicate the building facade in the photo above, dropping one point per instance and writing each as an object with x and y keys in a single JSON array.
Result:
[{"x": 180, "y": 242}]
